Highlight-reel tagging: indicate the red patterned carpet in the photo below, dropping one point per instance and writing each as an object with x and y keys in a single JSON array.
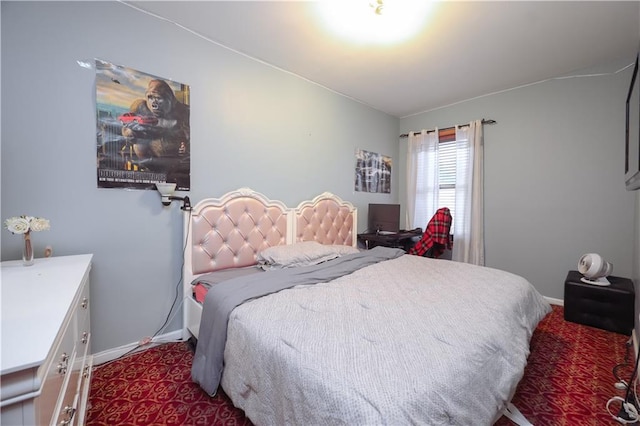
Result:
[
  {"x": 154, "y": 387},
  {"x": 568, "y": 381},
  {"x": 569, "y": 376}
]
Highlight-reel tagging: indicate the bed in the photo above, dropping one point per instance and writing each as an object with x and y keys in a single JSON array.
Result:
[{"x": 375, "y": 337}]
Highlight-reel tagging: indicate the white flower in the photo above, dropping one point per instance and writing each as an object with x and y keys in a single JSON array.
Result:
[
  {"x": 23, "y": 224},
  {"x": 17, "y": 225},
  {"x": 40, "y": 224}
]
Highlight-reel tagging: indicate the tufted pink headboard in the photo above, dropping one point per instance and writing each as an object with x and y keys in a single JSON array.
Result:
[
  {"x": 228, "y": 232},
  {"x": 326, "y": 219}
]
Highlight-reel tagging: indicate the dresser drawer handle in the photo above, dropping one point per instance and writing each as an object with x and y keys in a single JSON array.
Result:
[
  {"x": 62, "y": 365},
  {"x": 85, "y": 303},
  {"x": 85, "y": 337},
  {"x": 70, "y": 412}
]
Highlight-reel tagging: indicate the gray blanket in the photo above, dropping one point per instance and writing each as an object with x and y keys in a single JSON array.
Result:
[{"x": 222, "y": 298}]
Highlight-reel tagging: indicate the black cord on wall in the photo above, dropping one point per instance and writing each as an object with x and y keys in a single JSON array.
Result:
[{"x": 178, "y": 286}]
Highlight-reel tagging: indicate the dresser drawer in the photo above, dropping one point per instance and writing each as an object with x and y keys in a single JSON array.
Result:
[
  {"x": 83, "y": 323},
  {"x": 71, "y": 407},
  {"x": 57, "y": 376},
  {"x": 85, "y": 385},
  {"x": 66, "y": 406},
  {"x": 69, "y": 400}
]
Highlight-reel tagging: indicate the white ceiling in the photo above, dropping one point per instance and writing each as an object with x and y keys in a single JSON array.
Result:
[{"x": 465, "y": 49}]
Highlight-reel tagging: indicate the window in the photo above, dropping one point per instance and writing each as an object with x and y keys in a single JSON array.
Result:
[
  {"x": 435, "y": 170},
  {"x": 447, "y": 176},
  {"x": 443, "y": 171}
]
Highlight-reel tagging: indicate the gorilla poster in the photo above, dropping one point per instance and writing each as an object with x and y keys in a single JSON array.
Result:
[{"x": 143, "y": 132}]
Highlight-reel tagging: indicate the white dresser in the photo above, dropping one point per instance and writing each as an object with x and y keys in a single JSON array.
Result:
[{"x": 46, "y": 357}]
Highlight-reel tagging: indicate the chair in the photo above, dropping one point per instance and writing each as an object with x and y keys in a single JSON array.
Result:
[{"x": 436, "y": 238}]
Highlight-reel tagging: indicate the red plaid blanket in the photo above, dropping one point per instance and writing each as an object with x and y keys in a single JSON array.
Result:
[{"x": 437, "y": 232}]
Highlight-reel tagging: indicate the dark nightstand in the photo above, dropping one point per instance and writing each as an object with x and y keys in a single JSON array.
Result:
[{"x": 607, "y": 307}]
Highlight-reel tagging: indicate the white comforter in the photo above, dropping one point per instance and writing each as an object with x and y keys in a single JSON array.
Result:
[{"x": 406, "y": 341}]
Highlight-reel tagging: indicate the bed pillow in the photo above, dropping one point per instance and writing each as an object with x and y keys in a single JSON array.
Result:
[{"x": 300, "y": 254}]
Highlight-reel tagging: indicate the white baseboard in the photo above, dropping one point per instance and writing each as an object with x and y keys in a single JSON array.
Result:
[
  {"x": 559, "y": 302},
  {"x": 115, "y": 353}
]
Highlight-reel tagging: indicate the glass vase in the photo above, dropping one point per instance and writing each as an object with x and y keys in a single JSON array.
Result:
[{"x": 27, "y": 250}]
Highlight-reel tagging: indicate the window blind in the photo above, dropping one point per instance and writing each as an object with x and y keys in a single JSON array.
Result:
[{"x": 447, "y": 176}]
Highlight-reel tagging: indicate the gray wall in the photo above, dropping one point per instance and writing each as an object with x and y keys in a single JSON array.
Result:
[
  {"x": 554, "y": 168},
  {"x": 251, "y": 125}
]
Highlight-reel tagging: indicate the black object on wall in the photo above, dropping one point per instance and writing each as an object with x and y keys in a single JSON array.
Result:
[{"x": 632, "y": 133}]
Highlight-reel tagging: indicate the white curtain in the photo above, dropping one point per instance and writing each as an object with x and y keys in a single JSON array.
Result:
[
  {"x": 468, "y": 239},
  {"x": 422, "y": 178}
]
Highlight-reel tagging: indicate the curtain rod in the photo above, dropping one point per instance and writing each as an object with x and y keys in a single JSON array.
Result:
[{"x": 489, "y": 121}]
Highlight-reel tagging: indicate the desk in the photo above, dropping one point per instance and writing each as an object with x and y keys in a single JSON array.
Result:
[{"x": 403, "y": 239}]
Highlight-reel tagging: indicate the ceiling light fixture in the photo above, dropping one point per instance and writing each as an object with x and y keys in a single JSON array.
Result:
[
  {"x": 377, "y": 6},
  {"x": 393, "y": 21}
]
